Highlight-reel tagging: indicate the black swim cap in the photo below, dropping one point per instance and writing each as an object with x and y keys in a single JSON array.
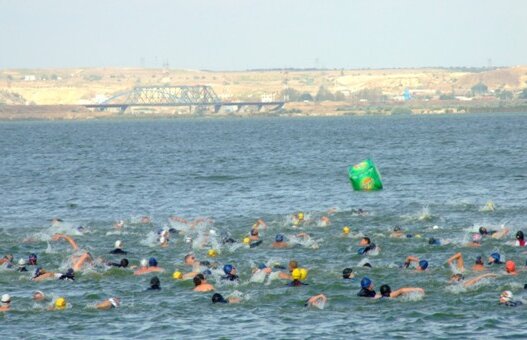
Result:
[
  {"x": 385, "y": 290},
  {"x": 124, "y": 263},
  {"x": 346, "y": 272},
  {"x": 218, "y": 298},
  {"x": 519, "y": 235},
  {"x": 155, "y": 281},
  {"x": 397, "y": 228}
]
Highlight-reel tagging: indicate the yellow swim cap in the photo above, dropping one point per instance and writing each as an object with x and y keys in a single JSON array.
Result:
[
  {"x": 296, "y": 274},
  {"x": 300, "y": 215},
  {"x": 177, "y": 275},
  {"x": 212, "y": 252},
  {"x": 418, "y": 236},
  {"x": 60, "y": 303},
  {"x": 303, "y": 273},
  {"x": 246, "y": 240},
  {"x": 346, "y": 230}
]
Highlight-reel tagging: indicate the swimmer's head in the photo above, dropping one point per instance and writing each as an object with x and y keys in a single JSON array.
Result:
[
  {"x": 483, "y": 231},
  {"x": 21, "y": 262},
  {"x": 296, "y": 274},
  {"x": 279, "y": 238},
  {"x": 189, "y": 259},
  {"x": 254, "y": 232},
  {"x": 155, "y": 281},
  {"x": 6, "y": 298},
  {"x": 144, "y": 262},
  {"x": 32, "y": 260},
  {"x": 38, "y": 296},
  {"x": 292, "y": 265},
  {"x": 479, "y": 260},
  {"x": 303, "y": 273},
  {"x": 196, "y": 280},
  {"x": 246, "y": 241},
  {"x": 212, "y": 253},
  {"x": 457, "y": 277},
  {"x": 262, "y": 266},
  {"x": 163, "y": 240},
  {"x": 365, "y": 282},
  {"x": 510, "y": 266},
  {"x": 423, "y": 264},
  {"x": 385, "y": 290},
  {"x": 346, "y": 273},
  {"x": 60, "y": 303},
  {"x": 476, "y": 238},
  {"x": 115, "y": 301},
  {"x": 118, "y": 244},
  {"x": 365, "y": 241},
  {"x": 396, "y": 228},
  {"x": 177, "y": 275},
  {"x": 433, "y": 241},
  {"x": 228, "y": 268},
  {"x": 367, "y": 264},
  {"x": 506, "y": 296},
  {"x": 124, "y": 263},
  {"x": 519, "y": 235},
  {"x": 218, "y": 298},
  {"x": 494, "y": 258},
  {"x": 152, "y": 262}
]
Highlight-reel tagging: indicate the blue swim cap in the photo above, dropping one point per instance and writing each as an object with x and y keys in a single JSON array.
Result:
[
  {"x": 279, "y": 238},
  {"x": 152, "y": 262},
  {"x": 365, "y": 282},
  {"x": 423, "y": 264},
  {"x": 495, "y": 256},
  {"x": 262, "y": 266},
  {"x": 361, "y": 251},
  {"x": 206, "y": 272},
  {"x": 227, "y": 268}
]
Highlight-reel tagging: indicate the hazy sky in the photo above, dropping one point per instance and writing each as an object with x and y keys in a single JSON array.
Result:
[{"x": 248, "y": 34}]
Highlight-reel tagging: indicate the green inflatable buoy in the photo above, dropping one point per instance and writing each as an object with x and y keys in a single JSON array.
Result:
[{"x": 365, "y": 176}]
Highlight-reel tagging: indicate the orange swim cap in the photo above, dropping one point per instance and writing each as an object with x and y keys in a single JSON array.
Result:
[{"x": 510, "y": 266}]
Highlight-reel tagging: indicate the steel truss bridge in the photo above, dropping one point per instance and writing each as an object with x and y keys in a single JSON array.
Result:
[{"x": 197, "y": 96}]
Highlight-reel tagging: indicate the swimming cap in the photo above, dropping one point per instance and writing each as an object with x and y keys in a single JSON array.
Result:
[
  {"x": 303, "y": 273},
  {"x": 300, "y": 215},
  {"x": 396, "y": 228},
  {"x": 21, "y": 262},
  {"x": 510, "y": 266},
  {"x": 495, "y": 256},
  {"x": 32, "y": 259},
  {"x": 152, "y": 262},
  {"x": 519, "y": 235},
  {"x": 296, "y": 274},
  {"x": 227, "y": 268},
  {"x": 177, "y": 276},
  {"x": 483, "y": 230},
  {"x": 218, "y": 298},
  {"x": 246, "y": 240},
  {"x": 506, "y": 296},
  {"x": 188, "y": 239},
  {"x": 118, "y": 244},
  {"x": 212, "y": 232},
  {"x": 385, "y": 290},
  {"x": 433, "y": 241},
  {"x": 365, "y": 282},
  {"x": 254, "y": 232},
  {"x": 162, "y": 239},
  {"x": 279, "y": 238},
  {"x": 479, "y": 260},
  {"x": 212, "y": 252},
  {"x": 60, "y": 303},
  {"x": 423, "y": 264},
  {"x": 347, "y": 272},
  {"x": 262, "y": 266},
  {"x": 6, "y": 298},
  {"x": 116, "y": 302},
  {"x": 144, "y": 263},
  {"x": 155, "y": 281},
  {"x": 476, "y": 237},
  {"x": 346, "y": 230},
  {"x": 206, "y": 272},
  {"x": 38, "y": 271}
]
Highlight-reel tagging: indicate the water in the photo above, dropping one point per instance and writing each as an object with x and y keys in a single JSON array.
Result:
[{"x": 437, "y": 171}]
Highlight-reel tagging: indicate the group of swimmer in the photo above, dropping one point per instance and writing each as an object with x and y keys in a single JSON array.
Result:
[{"x": 202, "y": 271}]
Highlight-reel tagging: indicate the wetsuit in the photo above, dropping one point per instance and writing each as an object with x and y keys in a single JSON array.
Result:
[
  {"x": 255, "y": 244},
  {"x": 513, "y": 303},
  {"x": 154, "y": 287},
  {"x": 231, "y": 277},
  {"x": 21, "y": 269},
  {"x": 118, "y": 251},
  {"x": 296, "y": 283},
  {"x": 366, "y": 293}
]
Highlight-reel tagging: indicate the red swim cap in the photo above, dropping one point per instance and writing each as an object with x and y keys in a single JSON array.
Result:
[{"x": 510, "y": 266}]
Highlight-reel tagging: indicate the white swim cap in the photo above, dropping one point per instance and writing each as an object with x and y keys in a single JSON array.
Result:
[
  {"x": 212, "y": 232},
  {"x": 116, "y": 302},
  {"x": 188, "y": 239},
  {"x": 144, "y": 262},
  {"x": 435, "y": 227},
  {"x": 118, "y": 244},
  {"x": 6, "y": 298},
  {"x": 21, "y": 262},
  {"x": 162, "y": 239}
]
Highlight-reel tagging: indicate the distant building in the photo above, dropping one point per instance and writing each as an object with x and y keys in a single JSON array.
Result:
[
  {"x": 267, "y": 98},
  {"x": 30, "y": 77}
]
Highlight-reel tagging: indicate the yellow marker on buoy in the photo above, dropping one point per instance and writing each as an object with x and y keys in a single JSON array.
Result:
[
  {"x": 60, "y": 303},
  {"x": 212, "y": 253},
  {"x": 346, "y": 230}
]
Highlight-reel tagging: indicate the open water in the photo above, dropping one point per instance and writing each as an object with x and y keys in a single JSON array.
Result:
[{"x": 439, "y": 172}]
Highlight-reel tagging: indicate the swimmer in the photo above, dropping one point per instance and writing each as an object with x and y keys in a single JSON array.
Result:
[
  {"x": 460, "y": 279},
  {"x": 386, "y": 291},
  {"x": 520, "y": 239},
  {"x": 506, "y": 299},
  {"x": 163, "y": 242},
  {"x": 80, "y": 261},
  {"x": 298, "y": 218},
  {"x": 318, "y": 301},
  {"x": 218, "y": 298},
  {"x": 422, "y": 265},
  {"x": 7, "y": 260},
  {"x": 70, "y": 240},
  {"x": 119, "y": 225},
  {"x": 397, "y": 232},
  {"x": 32, "y": 260},
  {"x": 495, "y": 258},
  {"x": 110, "y": 303},
  {"x": 38, "y": 296},
  {"x": 296, "y": 275},
  {"x": 476, "y": 240},
  {"x": 493, "y": 233},
  {"x": 510, "y": 268},
  {"x": 148, "y": 267},
  {"x": 367, "y": 246},
  {"x": 478, "y": 264},
  {"x": 347, "y": 274},
  {"x": 69, "y": 276},
  {"x": 155, "y": 284},
  {"x": 367, "y": 288},
  {"x": 458, "y": 258},
  {"x": 41, "y": 275},
  {"x": 190, "y": 260},
  {"x": 146, "y": 220},
  {"x": 21, "y": 266},
  {"x": 279, "y": 242},
  {"x": 118, "y": 248},
  {"x": 122, "y": 264},
  {"x": 324, "y": 221},
  {"x": 254, "y": 236},
  {"x": 60, "y": 304},
  {"x": 292, "y": 265},
  {"x": 6, "y": 303},
  {"x": 359, "y": 212},
  {"x": 201, "y": 285},
  {"x": 230, "y": 273}
]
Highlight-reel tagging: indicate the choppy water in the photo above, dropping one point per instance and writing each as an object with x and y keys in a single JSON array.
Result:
[{"x": 437, "y": 171}]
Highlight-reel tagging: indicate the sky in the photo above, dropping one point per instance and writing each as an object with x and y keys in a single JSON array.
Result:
[{"x": 262, "y": 34}]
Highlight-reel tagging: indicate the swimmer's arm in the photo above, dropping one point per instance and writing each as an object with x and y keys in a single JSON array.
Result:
[
  {"x": 317, "y": 299},
  {"x": 71, "y": 241},
  {"x": 402, "y": 291},
  {"x": 284, "y": 276},
  {"x": 189, "y": 276},
  {"x": 412, "y": 259},
  {"x": 475, "y": 280},
  {"x": 105, "y": 305},
  {"x": 501, "y": 233},
  {"x": 233, "y": 299},
  {"x": 178, "y": 219},
  {"x": 460, "y": 262}
]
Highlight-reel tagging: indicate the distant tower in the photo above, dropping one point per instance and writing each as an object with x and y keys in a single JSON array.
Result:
[{"x": 285, "y": 83}]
